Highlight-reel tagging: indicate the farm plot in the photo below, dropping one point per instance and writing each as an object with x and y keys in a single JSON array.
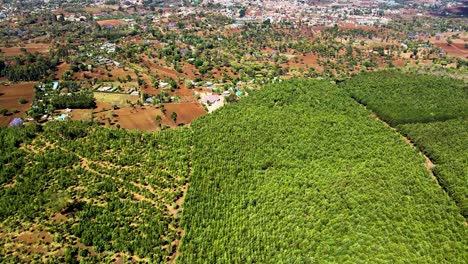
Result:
[
  {"x": 298, "y": 172},
  {"x": 88, "y": 193},
  {"x": 30, "y": 47},
  {"x": 10, "y": 99},
  {"x": 119, "y": 99}
]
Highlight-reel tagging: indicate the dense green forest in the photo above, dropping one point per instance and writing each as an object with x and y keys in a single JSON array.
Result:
[
  {"x": 296, "y": 172},
  {"x": 419, "y": 105},
  {"x": 299, "y": 173},
  {"x": 446, "y": 144},
  {"x": 400, "y": 98},
  {"x": 94, "y": 191}
]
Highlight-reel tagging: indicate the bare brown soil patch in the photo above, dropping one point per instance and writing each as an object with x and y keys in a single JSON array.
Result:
[
  {"x": 89, "y": 248},
  {"x": 165, "y": 72},
  {"x": 30, "y": 47},
  {"x": 121, "y": 72},
  {"x": 189, "y": 70},
  {"x": 10, "y": 96},
  {"x": 139, "y": 118},
  {"x": 457, "y": 48},
  {"x": 34, "y": 237},
  {"x": 186, "y": 112},
  {"x": 110, "y": 22},
  {"x": 144, "y": 117},
  {"x": 59, "y": 218},
  {"x": 61, "y": 69}
]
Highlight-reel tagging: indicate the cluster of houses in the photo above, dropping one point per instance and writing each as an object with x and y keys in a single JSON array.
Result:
[
  {"x": 107, "y": 61},
  {"x": 108, "y": 47}
]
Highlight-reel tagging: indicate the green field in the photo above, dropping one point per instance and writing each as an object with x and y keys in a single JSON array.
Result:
[{"x": 300, "y": 173}]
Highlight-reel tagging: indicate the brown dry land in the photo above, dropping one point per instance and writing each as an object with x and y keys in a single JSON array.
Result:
[
  {"x": 115, "y": 98},
  {"x": 456, "y": 49},
  {"x": 30, "y": 47},
  {"x": 110, "y": 22},
  {"x": 139, "y": 118},
  {"x": 186, "y": 112},
  {"x": 142, "y": 117},
  {"x": 61, "y": 69},
  {"x": 9, "y": 99}
]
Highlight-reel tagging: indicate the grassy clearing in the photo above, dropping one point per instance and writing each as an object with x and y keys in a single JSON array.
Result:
[{"x": 116, "y": 98}]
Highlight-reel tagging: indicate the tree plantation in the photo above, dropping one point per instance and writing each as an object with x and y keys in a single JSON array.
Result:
[
  {"x": 297, "y": 172},
  {"x": 94, "y": 191},
  {"x": 433, "y": 112},
  {"x": 300, "y": 173}
]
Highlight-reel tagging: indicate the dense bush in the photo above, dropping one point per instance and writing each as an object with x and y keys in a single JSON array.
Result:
[
  {"x": 297, "y": 172},
  {"x": 421, "y": 104},
  {"x": 74, "y": 100}
]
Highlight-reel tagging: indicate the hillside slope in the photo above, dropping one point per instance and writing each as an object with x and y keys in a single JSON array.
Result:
[
  {"x": 76, "y": 191},
  {"x": 432, "y": 112},
  {"x": 299, "y": 172}
]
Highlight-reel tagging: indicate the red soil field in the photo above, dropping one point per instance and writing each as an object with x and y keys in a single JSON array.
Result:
[
  {"x": 185, "y": 95},
  {"x": 164, "y": 72},
  {"x": 61, "y": 69},
  {"x": 110, "y": 22},
  {"x": 186, "y": 112},
  {"x": 9, "y": 99},
  {"x": 456, "y": 49},
  {"x": 143, "y": 118},
  {"x": 30, "y": 47},
  {"x": 140, "y": 118}
]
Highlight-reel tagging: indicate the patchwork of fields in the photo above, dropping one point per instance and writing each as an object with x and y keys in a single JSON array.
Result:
[{"x": 297, "y": 172}]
